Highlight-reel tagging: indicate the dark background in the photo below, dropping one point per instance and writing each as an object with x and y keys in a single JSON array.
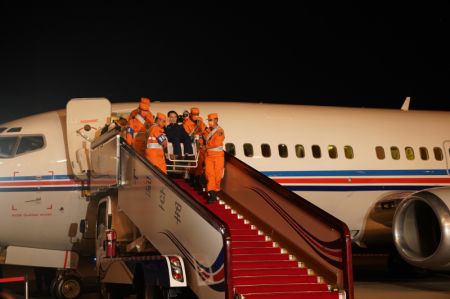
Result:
[{"x": 342, "y": 55}]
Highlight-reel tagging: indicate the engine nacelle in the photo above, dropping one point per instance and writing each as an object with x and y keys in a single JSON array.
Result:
[{"x": 421, "y": 229}]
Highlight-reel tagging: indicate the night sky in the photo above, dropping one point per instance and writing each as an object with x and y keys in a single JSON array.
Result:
[{"x": 342, "y": 55}]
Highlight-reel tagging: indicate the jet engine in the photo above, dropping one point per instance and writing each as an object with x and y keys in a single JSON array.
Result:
[{"x": 421, "y": 228}]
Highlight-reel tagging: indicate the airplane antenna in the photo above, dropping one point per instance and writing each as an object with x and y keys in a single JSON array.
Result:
[{"x": 405, "y": 106}]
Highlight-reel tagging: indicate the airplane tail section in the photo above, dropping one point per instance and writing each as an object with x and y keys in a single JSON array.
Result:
[{"x": 258, "y": 241}]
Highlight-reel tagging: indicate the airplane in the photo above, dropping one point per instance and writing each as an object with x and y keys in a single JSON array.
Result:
[{"x": 384, "y": 172}]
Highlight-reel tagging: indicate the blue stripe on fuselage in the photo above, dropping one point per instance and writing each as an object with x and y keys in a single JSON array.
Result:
[
  {"x": 397, "y": 172},
  {"x": 41, "y": 178}
]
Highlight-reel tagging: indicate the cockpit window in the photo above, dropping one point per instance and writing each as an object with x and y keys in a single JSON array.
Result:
[
  {"x": 30, "y": 143},
  {"x": 2, "y": 130},
  {"x": 7, "y": 146},
  {"x": 14, "y": 130},
  {"x": 11, "y": 146}
]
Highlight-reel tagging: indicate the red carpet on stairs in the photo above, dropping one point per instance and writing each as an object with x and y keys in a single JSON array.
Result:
[{"x": 261, "y": 269}]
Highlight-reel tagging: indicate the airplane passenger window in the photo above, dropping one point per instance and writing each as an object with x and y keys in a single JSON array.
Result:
[
  {"x": 7, "y": 146},
  {"x": 348, "y": 150},
  {"x": 409, "y": 153},
  {"x": 230, "y": 148},
  {"x": 380, "y": 152},
  {"x": 265, "y": 150},
  {"x": 423, "y": 153},
  {"x": 2, "y": 130},
  {"x": 438, "y": 153},
  {"x": 248, "y": 149},
  {"x": 316, "y": 151},
  {"x": 395, "y": 153},
  {"x": 283, "y": 150},
  {"x": 299, "y": 151},
  {"x": 30, "y": 143},
  {"x": 332, "y": 151}
]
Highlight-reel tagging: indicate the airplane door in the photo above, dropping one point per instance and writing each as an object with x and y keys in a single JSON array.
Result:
[
  {"x": 84, "y": 120},
  {"x": 447, "y": 154}
]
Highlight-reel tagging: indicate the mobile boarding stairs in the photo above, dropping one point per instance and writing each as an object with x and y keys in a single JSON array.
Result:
[{"x": 259, "y": 241}]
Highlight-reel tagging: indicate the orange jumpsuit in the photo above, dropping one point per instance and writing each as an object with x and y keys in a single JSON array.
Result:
[
  {"x": 149, "y": 117},
  {"x": 195, "y": 130},
  {"x": 156, "y": 143},
  {"x": 136, "y": 133},
  {"x": 214, "y": 161}
]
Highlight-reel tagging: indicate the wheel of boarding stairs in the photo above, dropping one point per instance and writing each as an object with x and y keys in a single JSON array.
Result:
[{"x": 67, "y": 286}]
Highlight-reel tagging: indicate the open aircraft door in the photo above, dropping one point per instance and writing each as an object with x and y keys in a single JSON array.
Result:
[
  {"x": 447, "y": 154},
  {"x": 84, "y": 119}
]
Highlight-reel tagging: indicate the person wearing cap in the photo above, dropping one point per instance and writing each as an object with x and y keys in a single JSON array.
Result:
[
  {"x": 144, "y": 105},
  {"x": 156, "y": 143},
  {"x": 195, "y": 126},
  {"x": 139, "y": 123},
  {"x": 214, "y": 160}
]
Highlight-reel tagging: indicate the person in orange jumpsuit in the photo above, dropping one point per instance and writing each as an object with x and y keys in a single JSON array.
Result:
[
  {"x": 144, "y": 104},
  {"x": 156, "y": 143},
  {"x": 139, "y": 123},
  {"x": 195, "y": 126},
  {"x": 214, "y": 160}
]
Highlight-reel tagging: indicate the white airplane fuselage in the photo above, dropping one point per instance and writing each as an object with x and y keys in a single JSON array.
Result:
[{"x": 42, "y": 203}]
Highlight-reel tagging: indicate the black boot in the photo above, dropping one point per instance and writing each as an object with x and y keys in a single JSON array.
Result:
[{"x": 212, "y": 195}]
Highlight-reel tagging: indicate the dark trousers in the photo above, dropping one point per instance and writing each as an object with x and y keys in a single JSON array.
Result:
[{"x": 176, "y": 144}]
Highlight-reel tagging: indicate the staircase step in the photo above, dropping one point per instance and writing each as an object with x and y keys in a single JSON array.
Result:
[
  {"x": 232, "y": 220},
  {"x": 255, "y": 250},
  {"x": 274, "y": 279},
  {"x": 239, "y": 226},
  {"x": 243, "y": 232},
  {"x": 294, "y": 287},
  {"x": 263, "y": 264},
  {"x": 260, "y": 257},
  {"x": 249, "y": 238},
  {"x": 269, "y": 271},
  {"x": 241, "y": 244},
  {"x": 295, "y": 295}
]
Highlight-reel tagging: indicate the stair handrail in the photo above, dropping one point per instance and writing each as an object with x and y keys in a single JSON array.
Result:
[{"x": 319, "y": 236}]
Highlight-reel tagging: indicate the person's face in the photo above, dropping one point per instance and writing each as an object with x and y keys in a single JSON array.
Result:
[
  {"x": 172, "y": 118},
  {"x": 194, "y": 116},
  {"x": 143, "y": 112},
  {"x": 212, "y": 122},
  {"x": 161, "y": 122}
]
